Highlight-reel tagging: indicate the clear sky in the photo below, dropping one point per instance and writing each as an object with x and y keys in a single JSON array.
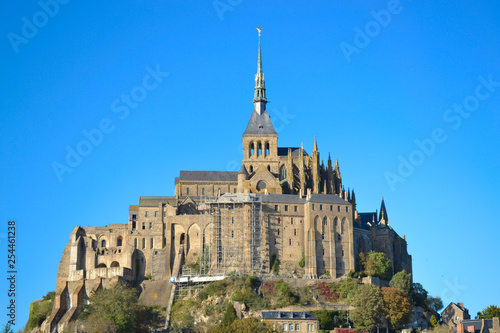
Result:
[{"x": 405, "y": 94}]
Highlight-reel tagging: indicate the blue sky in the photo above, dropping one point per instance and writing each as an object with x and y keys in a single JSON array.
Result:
[{"x": 405, "y": 94}]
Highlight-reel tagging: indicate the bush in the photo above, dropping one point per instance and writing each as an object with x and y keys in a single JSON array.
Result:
[
  {"x": 39, "y": 311},
  {"x": 275, "y": 265},
  {"x": 302, "y": 261},
  {"x": 325, "y": 291}
]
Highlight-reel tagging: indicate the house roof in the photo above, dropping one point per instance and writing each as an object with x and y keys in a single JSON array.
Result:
[
  {"x": 295, "y": 315},
  {"x": 219, "y": 176},
  {"x": 283, "y": 151}
]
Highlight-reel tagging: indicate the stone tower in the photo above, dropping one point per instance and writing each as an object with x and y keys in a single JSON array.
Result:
[{"x": 260, "y": 140}]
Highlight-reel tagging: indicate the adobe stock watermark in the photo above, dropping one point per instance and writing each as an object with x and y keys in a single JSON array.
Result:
[
  {"x": 453, "y": 116},
  {"x": 30, "y": 27},
  {"x": 363, "y": 37},
  {"x": 121, "y": 107},
  {"x": 222, "y": 6},
  {"x": 452, "y": 290},
  {"x": 280, "y": 119}
]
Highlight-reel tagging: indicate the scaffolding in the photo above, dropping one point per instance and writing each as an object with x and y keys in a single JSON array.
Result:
[{"x": 233, "y": 235}]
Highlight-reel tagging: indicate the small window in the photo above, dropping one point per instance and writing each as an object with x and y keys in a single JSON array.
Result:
[
  {"x": 103, "y": 243},
  {"x": 286, "y": 208},
  {"x": 338, "y": 208},
  {"x": 134, "y": 217},
  {"x": 146, "y": 214},
  {"x": 150, "y": 225},
  {"x": 297, "y": 327},
  {"x": 322, "y": 236},
  {"x": 276, "y": 208},
  {"x": 156, "y": 213},
  {"x": 347, "y": 209},
  {"x": 278, "y": 232},
  {"x": 143, "y": 226},
  {"x": 339, "y": 238},
  {"x": 313, "y": 206},
  {"x": 232, "y": 220},
  {"x": 119, "y": 241},
  {"x": 320, "y": 207},
  {"x": 295, "y": 232},
  {"x": 202, "y": 191},
  {"x": 187, "y": 191},
  {"x": 290, "y": 242},
  {"x": 151, "y": 243},
  {"x": 331, "y": 208},
  {"x": 232, "y": 233},
  {"x": 275, "y": 241},
  {"x": 144, "y": 243},
  {"x": 285, "y": 327},
  {"x": 234, "y": 190},
  {"x": 290, "y": 327},
  {"x": 342, "y": 253},
  {"x": 295, "y": 208},
  {"x": 279, "y": 220},
  {"x": 291, "y": 220}
]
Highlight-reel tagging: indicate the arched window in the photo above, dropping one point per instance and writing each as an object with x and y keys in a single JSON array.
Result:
[
  {"x": 119, "y": 241},
  {"x": 259, "y": 149},
  {"x": 251, "y": 168},
  {"x": 144, "y": 243},
  {"x": 151, "y": 243},
  {"x": 101, "y": 265},
  {"x": 269, "y": 168},
  {"x": 115, "y": 264},
  {"x": 187, "y": 191},
  {"x": 283, "y": 173},
  {"x": 267, "y": 149},
  {"x": 252, "y": 149},
  {"x": 202, "y": 191},
  {"x": 103, "y": 243}
]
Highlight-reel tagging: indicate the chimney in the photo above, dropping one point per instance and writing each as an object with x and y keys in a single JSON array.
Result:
[{"x": 461, "y": 305}]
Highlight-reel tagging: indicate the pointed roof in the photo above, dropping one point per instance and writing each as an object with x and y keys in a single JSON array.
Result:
[
  {"x": 383, "y": 212},
  {"x": 260, "y": 124},
  {"x": 243, "y": 170},
  {"x": 260, "y": 121}
]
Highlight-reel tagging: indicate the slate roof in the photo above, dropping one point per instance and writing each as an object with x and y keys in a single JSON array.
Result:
[
  {"x": 296, "y": 315},
  {"x": 477, "y": 323},
  {"x": 283, "y": 151},
  {"x": 219, "y": 176},
  {"x": 260, "y": 124}
]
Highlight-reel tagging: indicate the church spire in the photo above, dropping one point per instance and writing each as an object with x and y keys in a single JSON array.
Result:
[
  {"x": 259, "y": 99},
  {"x": 383, "y": 213}
]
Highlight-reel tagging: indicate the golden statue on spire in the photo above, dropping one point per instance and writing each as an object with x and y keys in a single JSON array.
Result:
[{"x": 259, "y": 31}]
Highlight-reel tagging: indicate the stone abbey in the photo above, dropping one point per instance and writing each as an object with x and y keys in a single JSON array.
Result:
[{"x": 282, "y": 205}]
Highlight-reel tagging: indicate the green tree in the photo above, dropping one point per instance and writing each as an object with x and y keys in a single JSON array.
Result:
[
  {"x": 368, "y": 305},
  {"x": 7, "y": 329},
  {"x": 434, "y": 303},
  {"x": 402, "y": 281},
  {"x": 378, "y": 265},
  {"x": 434, "y": 322},
  {"x": 397, "y": 308},
  {"x": 419, "y": 295},
  {"x": 118, "y": 310},
  {"x": 229, "y": 316},
  {"x": 489, "y": 312}
]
